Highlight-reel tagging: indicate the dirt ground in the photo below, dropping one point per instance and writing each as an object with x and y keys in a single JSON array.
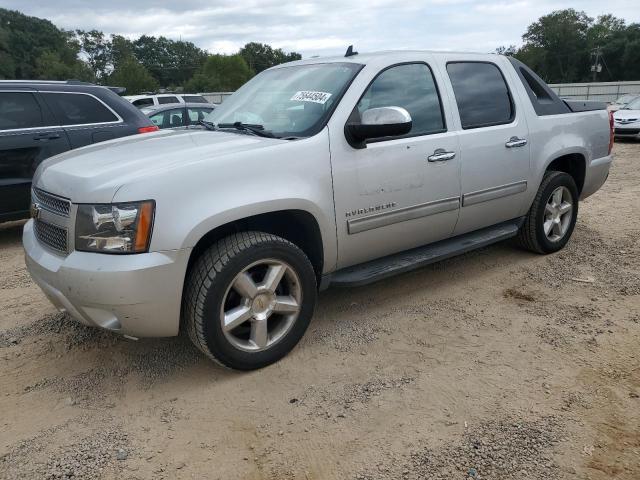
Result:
[{"x": 499, "y": 364}]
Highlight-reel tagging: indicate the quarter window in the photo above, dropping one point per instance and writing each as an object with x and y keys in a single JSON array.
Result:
[
  {"x": 412, "y": 87},
  {"x": 78, "y": 109},
  {"x": 19, "y": 110},
  {"x": 143, "y": 102},
  {"x": 482, "y": 95},
  {"x": 165, "y": 100}
]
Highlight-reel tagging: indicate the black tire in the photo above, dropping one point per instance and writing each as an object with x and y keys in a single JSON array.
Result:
[
  {"x": 209, "y": 281},
  {"x": 531, "y": 235}
]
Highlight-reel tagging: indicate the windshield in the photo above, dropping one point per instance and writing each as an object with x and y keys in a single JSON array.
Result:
[
  {"x": 634, "y": 105},
  {"x": 625, "y": 99},
  {"x": 289, "y": 101}
]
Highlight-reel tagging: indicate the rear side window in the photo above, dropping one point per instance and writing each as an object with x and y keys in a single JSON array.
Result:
[
  {"x": 78, "y": 109},
  {"x": 412, "y": 87},
  {"x": 194, "y": 99},
  {"x": 19, "y": 110},
  {"x": 169, "y": 118},
  {"x": 481, "y": 93},
  {"x": 143, "y": 102},
  {"x": 165, "y": 100},
  {"x": 197, "y": 114}
]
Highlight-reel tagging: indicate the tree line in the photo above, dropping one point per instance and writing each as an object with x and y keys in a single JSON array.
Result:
[
  {"x": 34, "y": 48},
  {"x": 563, "y": 46}
]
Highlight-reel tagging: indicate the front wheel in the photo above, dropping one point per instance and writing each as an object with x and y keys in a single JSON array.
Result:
[
  {"x": 249, "y": 299},
  {"x": 552, "y": 216}
]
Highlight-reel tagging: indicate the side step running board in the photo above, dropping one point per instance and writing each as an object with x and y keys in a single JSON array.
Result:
[{"x": 406, "y": 261}]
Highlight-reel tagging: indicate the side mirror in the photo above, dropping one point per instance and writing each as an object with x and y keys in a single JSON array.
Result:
[{"x": 378, "y": 123}]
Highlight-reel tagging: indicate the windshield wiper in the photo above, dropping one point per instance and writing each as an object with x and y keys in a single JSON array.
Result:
[
  {"x": 207, "y": 125},
  {"x": 252, "y": 128}
]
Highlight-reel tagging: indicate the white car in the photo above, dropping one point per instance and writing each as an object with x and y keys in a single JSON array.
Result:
[
  {"x": 626, "y": 121},
  {"x": 142, "y": 101},
  {"x": 622, "y": 101}
]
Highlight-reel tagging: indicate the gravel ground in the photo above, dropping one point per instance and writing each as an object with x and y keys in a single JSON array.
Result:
[{"x": 498, "y": 364}]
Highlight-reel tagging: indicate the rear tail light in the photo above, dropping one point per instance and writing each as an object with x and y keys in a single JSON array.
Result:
[
  {"x": 151, "y": 128},
  {"x": 611, "y": 131}
]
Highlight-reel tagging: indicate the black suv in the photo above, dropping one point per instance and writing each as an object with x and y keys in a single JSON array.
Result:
[{"x": 39, "y": 119}]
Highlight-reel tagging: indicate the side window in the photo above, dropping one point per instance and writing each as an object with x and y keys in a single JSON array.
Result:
[
  {"x": 482, "y": 95},
  {"x": 143, "y": 102},
  {"x": 196, "y": 114},
  {"x": 194, "y": 99},
  {"x": 19, "y": 110},
  {"x": 78, "y": 109},
  {"x": 165, "y": 100},
  {"x": 411, "y": 87},
  {"x": 168, "y": 118}
]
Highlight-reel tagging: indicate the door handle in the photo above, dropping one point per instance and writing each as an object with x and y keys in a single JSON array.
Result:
[
  {"x": 516, "y": 142},
  {"x": 441, "y": 155},
  {"x": 47, "y": 136}
]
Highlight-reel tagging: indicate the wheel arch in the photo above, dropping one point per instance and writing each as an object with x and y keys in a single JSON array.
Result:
[
  {"x": 574, "y": 164},
  {"x": 300, "y": 227}
]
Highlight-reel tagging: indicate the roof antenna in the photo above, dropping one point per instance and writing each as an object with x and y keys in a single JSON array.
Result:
[{"x": 350, "y": 52}]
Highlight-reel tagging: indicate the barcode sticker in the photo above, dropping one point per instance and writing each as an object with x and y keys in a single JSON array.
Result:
[{"x": 310, "y": 96}]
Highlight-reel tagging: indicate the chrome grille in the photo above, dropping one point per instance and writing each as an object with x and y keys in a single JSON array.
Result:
[
  {"x": 51, "y": 202},
  {"x": 51, "y": 235}
]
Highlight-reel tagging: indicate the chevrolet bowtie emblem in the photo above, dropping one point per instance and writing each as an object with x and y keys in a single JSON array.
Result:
[{"x": 35, "y": 211}]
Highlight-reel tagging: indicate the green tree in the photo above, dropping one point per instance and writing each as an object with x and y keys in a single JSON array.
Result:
[
  {"x": 171, "y": 62},
  {"x": 133, "y": 76},
  {"x": 49, "y": 66},
  {"x": 559, "y": 41},
  {"x": 220, "y": 73},
  {"x": 260, "y": 56},
  {"x": 121, "y": 50},
  {"x": 97, "y": 49},
  {"x": 25, "y": 44}
]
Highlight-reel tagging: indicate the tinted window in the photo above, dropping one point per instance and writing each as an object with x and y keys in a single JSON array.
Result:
[
  {"x": 78, "y": 109},
  {"x": 168, "y": 118},
  {"x": 411, "y": 87},
  {"x": 19, "y": 110},
  {"x": 165, "y": 100},
  {"x": 194, "y": 99},
  {"x": 143, "y": 102},
  {"x": 481, "y": 94},
  {"x": 196, "y": 114}
]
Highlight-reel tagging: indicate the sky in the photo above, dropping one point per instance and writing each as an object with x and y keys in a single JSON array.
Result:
[{"x": 321, "y": 27}]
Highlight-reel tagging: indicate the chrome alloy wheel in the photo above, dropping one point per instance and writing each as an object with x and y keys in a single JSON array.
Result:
[
  {"x": 557, "y": 214},
  {"x": 261, "y": 305}
]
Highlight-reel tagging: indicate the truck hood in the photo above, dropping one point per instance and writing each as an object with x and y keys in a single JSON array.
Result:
[{"x": 95, "y": 173}]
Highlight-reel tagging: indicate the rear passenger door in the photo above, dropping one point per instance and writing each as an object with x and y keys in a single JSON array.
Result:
[
  {"x": 85, "y": 118},
  {"x": 28, "y": 135},
  {"x": 493, "y": 143}
]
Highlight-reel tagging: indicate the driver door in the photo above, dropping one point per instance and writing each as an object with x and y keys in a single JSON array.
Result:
[{"x": 398, "y": 192}]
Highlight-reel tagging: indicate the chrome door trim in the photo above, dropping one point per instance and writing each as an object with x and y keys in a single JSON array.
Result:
[
  {"x": 473, "y": 198},
  {"x": 384, "y": 219}
]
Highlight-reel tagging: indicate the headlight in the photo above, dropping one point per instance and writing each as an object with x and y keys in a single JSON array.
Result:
[{"x": 114, "y": 228}]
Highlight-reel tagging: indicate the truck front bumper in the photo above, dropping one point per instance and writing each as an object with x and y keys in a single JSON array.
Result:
[{"x": 137, "y": 295}]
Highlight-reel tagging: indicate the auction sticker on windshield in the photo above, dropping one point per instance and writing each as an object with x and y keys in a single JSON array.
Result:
[{"x": 310, "y": 96}]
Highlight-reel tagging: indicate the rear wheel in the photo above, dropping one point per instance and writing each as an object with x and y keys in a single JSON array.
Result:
[
  {"x": 552, "y": 217},
  {"x": 249, "y": 299}
]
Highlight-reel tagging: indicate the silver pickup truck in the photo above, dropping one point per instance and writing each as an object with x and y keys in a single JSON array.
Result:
[{"x": 329, "y": 171}]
